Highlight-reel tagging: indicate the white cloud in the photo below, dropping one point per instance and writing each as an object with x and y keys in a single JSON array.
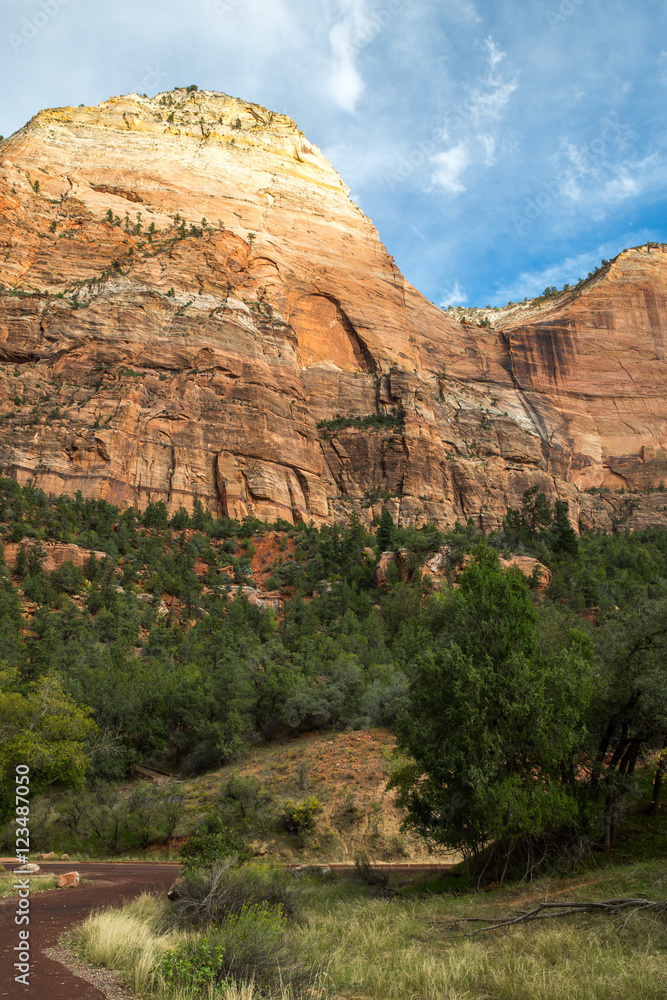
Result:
[
  {"x": 449, "y": 166},
  {"x": 496, "y": 55},
  {"x": 488, "y": 103},
  {"x": 455, "y": 297},
  {"x": 620, "y": 188},
  {"x": 470, "y": 11},
  {"x": 355, "y": 29},
  {"x": 490, "y": 98},
  {"x": 488, "y": 144}
]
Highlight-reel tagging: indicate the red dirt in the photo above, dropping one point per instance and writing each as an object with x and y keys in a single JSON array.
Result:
[{"x": 54, "y": 911}]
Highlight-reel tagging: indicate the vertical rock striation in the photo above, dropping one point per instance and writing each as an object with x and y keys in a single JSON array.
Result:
[{"x": 190, "y": 300}]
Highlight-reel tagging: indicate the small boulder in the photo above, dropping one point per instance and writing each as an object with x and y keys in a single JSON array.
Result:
[
  {"x": 67, "y": 879},
  {"x": 174, "y": 890},
  {"x": 64, "y": 857},
  {"x": 28, "y": 869}
]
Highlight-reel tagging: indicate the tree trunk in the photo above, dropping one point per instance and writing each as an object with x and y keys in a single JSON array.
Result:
[
  {"x": 626, "y": 767},
  {"x": 598, "y": 764},
  {"x": 654, "y": 808},
  {"x": 620, "y": 749}
]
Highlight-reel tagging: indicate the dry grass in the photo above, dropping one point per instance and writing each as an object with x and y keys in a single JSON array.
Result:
[
  {"x": 416, "y": 948},
  {"x": 134, "y": 940},
  {"x": 130, "y": 940},
  {"x": 392, "y": 950}
]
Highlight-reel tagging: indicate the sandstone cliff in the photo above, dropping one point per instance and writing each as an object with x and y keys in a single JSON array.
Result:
[{"x": 188, "y": 292}]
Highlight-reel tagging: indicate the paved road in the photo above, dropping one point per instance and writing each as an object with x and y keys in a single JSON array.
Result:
[{"x": 54, "y": 911}]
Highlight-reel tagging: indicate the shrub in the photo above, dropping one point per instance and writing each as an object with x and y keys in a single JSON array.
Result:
[
  {"x": 207, "y": 847},
  {"x": 206, "y": 898},
  {"x": 193, "y": 966},
  {"x": 245, "y": 945},
  {"x": 300, "y": 818}
]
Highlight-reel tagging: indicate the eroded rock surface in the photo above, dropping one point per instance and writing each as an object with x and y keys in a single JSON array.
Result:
[{"x": 146, "y": 354}]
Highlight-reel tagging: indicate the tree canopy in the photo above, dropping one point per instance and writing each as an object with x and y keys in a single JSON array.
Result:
[{"x": 495, "y": 724}]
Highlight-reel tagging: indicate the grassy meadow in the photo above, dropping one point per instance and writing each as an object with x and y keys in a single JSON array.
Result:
[{"x": 410, "y": 943}]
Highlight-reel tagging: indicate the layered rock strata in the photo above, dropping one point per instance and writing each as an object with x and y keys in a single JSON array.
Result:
[{"x": 189, "y": 297}]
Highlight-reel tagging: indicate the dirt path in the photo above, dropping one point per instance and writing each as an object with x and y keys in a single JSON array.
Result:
[{"x": 54, "y": 911}]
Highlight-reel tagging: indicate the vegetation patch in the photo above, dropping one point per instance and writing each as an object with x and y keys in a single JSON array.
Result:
[
  {"x": 395, "y": 947},
  {"x": 394, "y": 420}
]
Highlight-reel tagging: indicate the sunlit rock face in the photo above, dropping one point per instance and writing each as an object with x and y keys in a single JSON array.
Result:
[{"x": 188, "y": 292}]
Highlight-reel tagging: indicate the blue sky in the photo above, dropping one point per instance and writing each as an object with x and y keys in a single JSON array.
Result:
[{"x": 499, "y": 146}]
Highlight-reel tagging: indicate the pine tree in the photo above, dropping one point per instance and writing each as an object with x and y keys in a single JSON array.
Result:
[
  {"x": 386, "y": 531},
  {"x": 565, "y": 537}
]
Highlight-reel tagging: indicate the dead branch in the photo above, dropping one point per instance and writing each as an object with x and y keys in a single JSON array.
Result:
[{"x": 545, "y": 911}]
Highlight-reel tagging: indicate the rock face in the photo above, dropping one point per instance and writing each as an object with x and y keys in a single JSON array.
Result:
[
  {"x": 188, "y": 292},
  {"x": 56, "y": 554},
  {"x": 436, "y": 567}
]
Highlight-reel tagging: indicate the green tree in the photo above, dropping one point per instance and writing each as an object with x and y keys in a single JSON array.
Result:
[
  {"x": 535, "y": 513},
  {"x": 44, "y": 729},
  {"x": 629, "y": 709},
  {"x": 495, "y": 726},
  {"x": 564, "y": 536},
  {"x": 386, "y": 532}
]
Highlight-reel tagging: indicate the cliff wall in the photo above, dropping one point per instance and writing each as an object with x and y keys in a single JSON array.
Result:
[{"x": 188, "y": 296}]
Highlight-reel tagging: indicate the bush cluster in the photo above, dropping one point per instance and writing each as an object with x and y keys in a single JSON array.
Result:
[{"x": 300, "y": 817}]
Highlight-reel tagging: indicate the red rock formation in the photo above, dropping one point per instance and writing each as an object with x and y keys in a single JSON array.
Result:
[
  {"x": 143, "y": 357},
  {"x": 56, "y": 554}
]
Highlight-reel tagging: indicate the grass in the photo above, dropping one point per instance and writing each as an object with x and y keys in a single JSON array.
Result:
[
  {"x": 419, "y": 950},
  {"x": 138, "y": 941},
  {"x": 38, "y": 883},
  {"x": 417, "y": 947}
]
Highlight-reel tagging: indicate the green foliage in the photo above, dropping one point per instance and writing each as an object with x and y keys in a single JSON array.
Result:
[
  {"x": 243, "y": 946},
  {"x": 394, "y": 420},
  {"x": 208, "y": 846},
  {"x": 629, "y": 710},
  {"x": 207, "y": 897},
  {"x": 149, "y": 640},
  {"x": 564, "y": 536},
  {"x": 299, "y": 817},
  {"x": 534, "y": 516},
  {"x": 44, "y": 729},
  {"x": 495, "y": 725},
  {"x": 192, "y": 967},
  {"x": 386, "y": 532}
]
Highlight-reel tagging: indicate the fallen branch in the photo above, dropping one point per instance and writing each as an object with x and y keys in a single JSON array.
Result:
[{"x": 546, "y": 911}]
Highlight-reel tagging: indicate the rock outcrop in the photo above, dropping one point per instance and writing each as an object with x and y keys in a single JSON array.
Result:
[
  {"x": 439, "y": 565},
  {"x": 189, "y": 295},
  {"x": 55, "y": 554}
]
